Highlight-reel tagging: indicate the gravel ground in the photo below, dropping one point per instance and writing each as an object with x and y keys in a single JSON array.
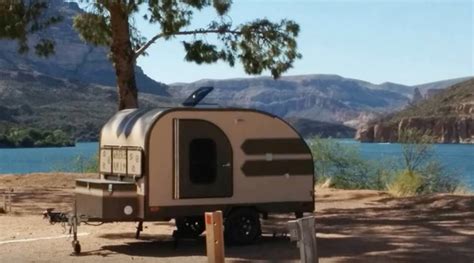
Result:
[{"x": 352, "y": 226}]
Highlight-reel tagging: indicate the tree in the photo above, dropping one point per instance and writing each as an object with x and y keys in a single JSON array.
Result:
[
  {"x": 20, "y": 18},
  {"x": 417, "y": 148},
  {"x": 259, "y": 45}
]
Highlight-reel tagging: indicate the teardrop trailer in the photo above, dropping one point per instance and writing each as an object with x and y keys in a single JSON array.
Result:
[{"x": 177, "y": 163}]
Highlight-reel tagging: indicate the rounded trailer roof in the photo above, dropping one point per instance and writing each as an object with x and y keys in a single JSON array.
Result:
[{"x": 129, "y": 127}]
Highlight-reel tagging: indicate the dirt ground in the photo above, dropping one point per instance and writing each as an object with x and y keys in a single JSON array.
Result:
[{"x": 352, "y": 226}]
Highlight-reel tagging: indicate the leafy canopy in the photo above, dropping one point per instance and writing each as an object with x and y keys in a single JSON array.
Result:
[
  {"x": 259, "y": 45},
  {"x": 20, "y": 18}
]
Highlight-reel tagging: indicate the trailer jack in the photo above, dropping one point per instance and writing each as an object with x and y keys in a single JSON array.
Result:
[{"x": 72, "y": 220}]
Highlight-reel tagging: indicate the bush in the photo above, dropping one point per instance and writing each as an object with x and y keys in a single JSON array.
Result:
[
  {"x": 344, "y": 166},
  {"x": 82, "y": 164},
  {"x": 406, "y": 183},
  {"x": 419, "y": 160},
  {"x": 416, "y": 172},
  {"x": 31, "y": 137},
  {"x": 438, "y": 179}
]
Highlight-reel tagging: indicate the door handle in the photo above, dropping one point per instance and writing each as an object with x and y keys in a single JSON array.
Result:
[{"x": 226, "y": 164}]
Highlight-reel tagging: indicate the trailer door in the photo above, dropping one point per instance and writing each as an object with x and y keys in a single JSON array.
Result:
[{"x": 203, "y": 160}]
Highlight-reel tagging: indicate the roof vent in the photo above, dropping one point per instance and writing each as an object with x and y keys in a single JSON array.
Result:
[{"x": 197, "y": 96}]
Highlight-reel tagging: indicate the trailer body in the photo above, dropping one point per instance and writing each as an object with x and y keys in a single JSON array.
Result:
[{"x": 178, "y": 162}]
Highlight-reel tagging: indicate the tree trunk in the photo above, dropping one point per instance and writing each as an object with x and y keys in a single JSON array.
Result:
[{"x": 123, "y": 56}]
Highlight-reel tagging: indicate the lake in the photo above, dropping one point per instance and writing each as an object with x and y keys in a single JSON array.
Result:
[{"x": 456, "y": 157}]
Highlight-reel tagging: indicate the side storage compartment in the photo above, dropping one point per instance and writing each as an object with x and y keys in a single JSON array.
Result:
[{"x": 105, "y": 200}]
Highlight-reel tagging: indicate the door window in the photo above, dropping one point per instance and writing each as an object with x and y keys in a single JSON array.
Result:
[{"x": 202, "y": 161}]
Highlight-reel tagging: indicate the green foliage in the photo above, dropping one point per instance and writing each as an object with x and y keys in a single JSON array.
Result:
[
  {"x": 417, "y": 148},
  {"x": 81, "y": 164},
  {"x": 416, "y": 172},
  {"x": 31, "y": 137},
  {"x": 406, "y": 183},
  {"x": 438, "y": 179},
  {"x": 259, "y": 45},
  {"x": 344, "y": 166},
  {"x": 18, "y": 19},
  {"x": 94, "y": 29},
  {"x": 432, "y": 179},
  {"x": 421, "y": 171}
]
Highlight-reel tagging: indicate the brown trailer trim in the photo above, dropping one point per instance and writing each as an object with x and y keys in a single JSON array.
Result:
[
  {"x": 275, "y": 146},
  {"x": 278, "y": 168}
]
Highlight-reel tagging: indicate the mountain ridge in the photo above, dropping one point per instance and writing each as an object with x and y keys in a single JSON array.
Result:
[
  {"x": 447, "y": 116},
  {"x": 73, "y": 59},
  {"x": 321, "y": 97},
  {"x": 80, "y": 74}
]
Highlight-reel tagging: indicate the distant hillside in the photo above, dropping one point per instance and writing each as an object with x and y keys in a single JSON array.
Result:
[
  {"x": 426, "y": 89},
  {"x": 44, "y": 102},
  {"x": 41, "y": 101},
  {"x": 429, "y": 89},
  {"x": 309, "y": 128},
  {"x": 315, "y": 104},
  {"x": 448, "y": 115},
  {"x": 74, "y": 59},
  {"x": 328, "y": 98},
  {"x": 73, "y": 90}
]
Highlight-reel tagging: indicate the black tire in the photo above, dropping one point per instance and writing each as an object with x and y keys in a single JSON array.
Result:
[
  {"x": 77, "y": 247},
  {"x": 242, "y": 227},
  {"x": 192, "y": 226}
]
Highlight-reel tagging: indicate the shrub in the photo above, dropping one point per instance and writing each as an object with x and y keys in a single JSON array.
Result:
[
  {"x": 344, "y": 167},
  {"x": 32, "y": 137},
  {"x": 419, "y": 160},
  {"x": 82, "y": 164},
  {"x": 416, "y": 172},
  {"x": 406, "y": 183},
  {"x": 438, "y": 179}
]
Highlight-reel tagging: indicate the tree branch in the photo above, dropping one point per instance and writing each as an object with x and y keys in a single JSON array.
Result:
[{"x": 142, "y": 49}]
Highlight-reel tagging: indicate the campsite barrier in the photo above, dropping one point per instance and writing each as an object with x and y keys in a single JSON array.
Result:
[
  {"x": 214, "y": 237},
  {"x": 303, "y": 232}
]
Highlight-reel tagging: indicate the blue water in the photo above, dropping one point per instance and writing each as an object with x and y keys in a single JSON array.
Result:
[
  {"x": 27, "y": 160},
  {"x": 456, "y": 157}
]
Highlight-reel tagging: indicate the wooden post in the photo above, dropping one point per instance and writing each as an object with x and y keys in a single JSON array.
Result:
[
  {"x": 214, "y": 237},
  {"x": 4, "y": 203},
  {"x": 9, "y": 202},
  {"x": 303, "y": 231}
]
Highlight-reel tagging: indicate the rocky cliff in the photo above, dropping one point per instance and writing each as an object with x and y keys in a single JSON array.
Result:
[
  {"x": 73, "y": 59},
  {"x": 447, "y": 115}
]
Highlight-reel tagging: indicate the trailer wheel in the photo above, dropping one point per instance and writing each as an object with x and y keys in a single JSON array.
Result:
[
  {"x": 76, "y": 247},
  {"x": 242, "y": 227},
  {"x": 191, "y": 226}
]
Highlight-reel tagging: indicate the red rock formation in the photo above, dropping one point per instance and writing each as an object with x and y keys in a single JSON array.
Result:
[{"x": 443, "y": 130}]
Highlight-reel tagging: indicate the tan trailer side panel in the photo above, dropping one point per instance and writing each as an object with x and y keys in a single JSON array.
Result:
[{"x": 238, "y": 125}]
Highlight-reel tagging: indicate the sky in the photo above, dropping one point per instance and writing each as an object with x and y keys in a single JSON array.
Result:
[{"x": 408, "y": 42}]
